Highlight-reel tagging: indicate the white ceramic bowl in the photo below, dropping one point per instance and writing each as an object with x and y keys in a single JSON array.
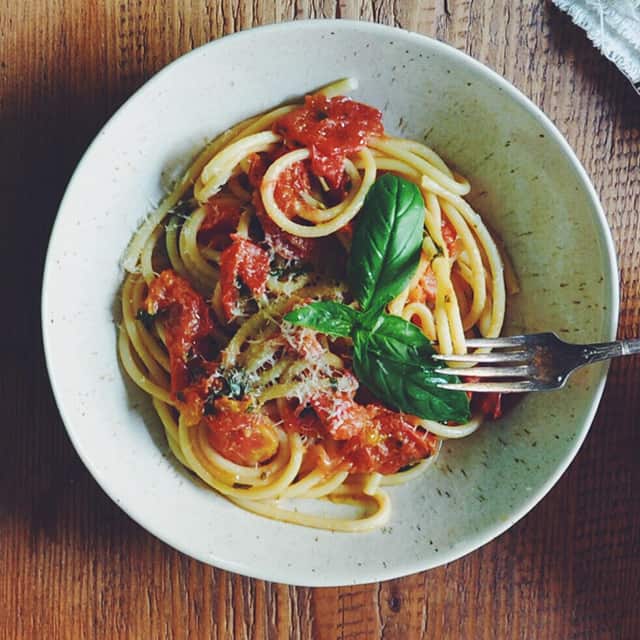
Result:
[{"x": 527, "y": 183}]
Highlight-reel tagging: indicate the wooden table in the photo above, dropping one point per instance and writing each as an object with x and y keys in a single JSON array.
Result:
[{"x": 72, "y": 565}]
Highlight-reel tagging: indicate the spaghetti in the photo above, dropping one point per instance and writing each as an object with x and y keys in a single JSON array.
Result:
[{"x": 261, "y": 224}]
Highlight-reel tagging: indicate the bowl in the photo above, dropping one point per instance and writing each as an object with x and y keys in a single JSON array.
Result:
[{"x": 527, "y": 183}]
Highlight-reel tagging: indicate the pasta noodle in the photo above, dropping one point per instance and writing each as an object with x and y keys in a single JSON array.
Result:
[{"x": 262, "y": 411}]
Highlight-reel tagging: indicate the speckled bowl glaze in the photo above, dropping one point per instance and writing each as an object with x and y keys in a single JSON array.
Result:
[{"x": 526, "y": 182}]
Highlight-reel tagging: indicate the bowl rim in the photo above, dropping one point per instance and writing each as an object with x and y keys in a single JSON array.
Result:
[{"x": 288, "y": 575}]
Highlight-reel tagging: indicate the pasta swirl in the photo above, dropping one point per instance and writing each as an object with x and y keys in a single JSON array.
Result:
[{"x": 260, "y": 224}]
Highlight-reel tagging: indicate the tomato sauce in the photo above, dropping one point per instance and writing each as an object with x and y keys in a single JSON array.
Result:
[
  {"x": 222, "y": 216},
  {"x": 292, "y": 182},
  {"x": 332, "y": 129},
  {"x": 488, "y": 404},
  {"x": 341, "y": 417},
  {"x": 427, "y": 287},
  {"x": 449, "y": 235},
  {"x": 244, "y": 437},
  {"x": 193, "y": 398},
  {"x": 246, "y": 262},
  {"x": 347, "y": 232},
  {"x": 260, "y": 162},
  {"x": 285, "y": 244},
  {"x": 387, "y": 443},
  {"x": 368, "y": 437},
  {"x": 301, "y": 419},
  {"x": 304, "y": 342},
  {"x": 187, "y": 324},
  {"x": 258, "y": 165}
]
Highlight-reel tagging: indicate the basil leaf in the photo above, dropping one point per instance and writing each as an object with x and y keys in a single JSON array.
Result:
[
  {"x": 332, "y": 318},
  {"x": 386, "y": 244},
  {"x": 408, "y": 386},
  {"x": 398, "y": 339}
]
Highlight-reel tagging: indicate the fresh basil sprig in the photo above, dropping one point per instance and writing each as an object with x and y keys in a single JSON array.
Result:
[
  {"x": 386, "y": 244},
  {"x": 395, "y": 338},
  {"x": 332, "y": 318},
  {"x": 391, "y": 356},
  {"x": 410, "y": 383}
]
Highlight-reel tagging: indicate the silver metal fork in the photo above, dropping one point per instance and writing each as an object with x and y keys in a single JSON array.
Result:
[{"x": 535, "y": 362}]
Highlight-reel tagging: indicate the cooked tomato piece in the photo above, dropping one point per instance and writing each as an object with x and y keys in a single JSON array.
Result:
[
  {"x": 292, "y": 182},
  {"x": 332, "y": 129},
  {"x": 304, "y": 342},
  {"x": 285, "y": 244},
  {"x": 221, "y": 220},
  {"x": 258, "y": 165},
  {"x": 491, "y": 405},
  {"x": 192, "y": 398},
  {"x": 387, "y": 443},
  {"x": 300, "y": 419},
  {"x": 243, "y": 261},
  {"x": 188, "y": 321},
  {"x": 244, "y": 437},
  {"x": 426, "y": 289},
  {"x": 341, "y": 417},
  {"x": 488, "y": 404},
  {"x": 449, "y": 235},
  {"x": 347, "y": 231}
]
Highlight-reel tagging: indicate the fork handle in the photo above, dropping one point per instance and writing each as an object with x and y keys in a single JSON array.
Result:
[{"x": 607, "y": 350}]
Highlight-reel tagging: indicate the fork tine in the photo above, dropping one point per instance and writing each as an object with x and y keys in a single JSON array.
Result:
[
  {"x": 502, "y": 342},
  {"x": 491, "y": 372},
  {"x": 517, "y": 386},
  {"x": 477, "y": 358}
]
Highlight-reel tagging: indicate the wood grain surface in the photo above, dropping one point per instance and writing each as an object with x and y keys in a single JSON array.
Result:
[{"x": 72, "y": 565}]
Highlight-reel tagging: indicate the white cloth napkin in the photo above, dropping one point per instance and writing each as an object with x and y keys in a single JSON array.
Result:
[{"x": 614, "y": 27}]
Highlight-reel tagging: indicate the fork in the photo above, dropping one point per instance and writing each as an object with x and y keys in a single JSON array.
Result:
[{"x": 535, "y": 362}]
